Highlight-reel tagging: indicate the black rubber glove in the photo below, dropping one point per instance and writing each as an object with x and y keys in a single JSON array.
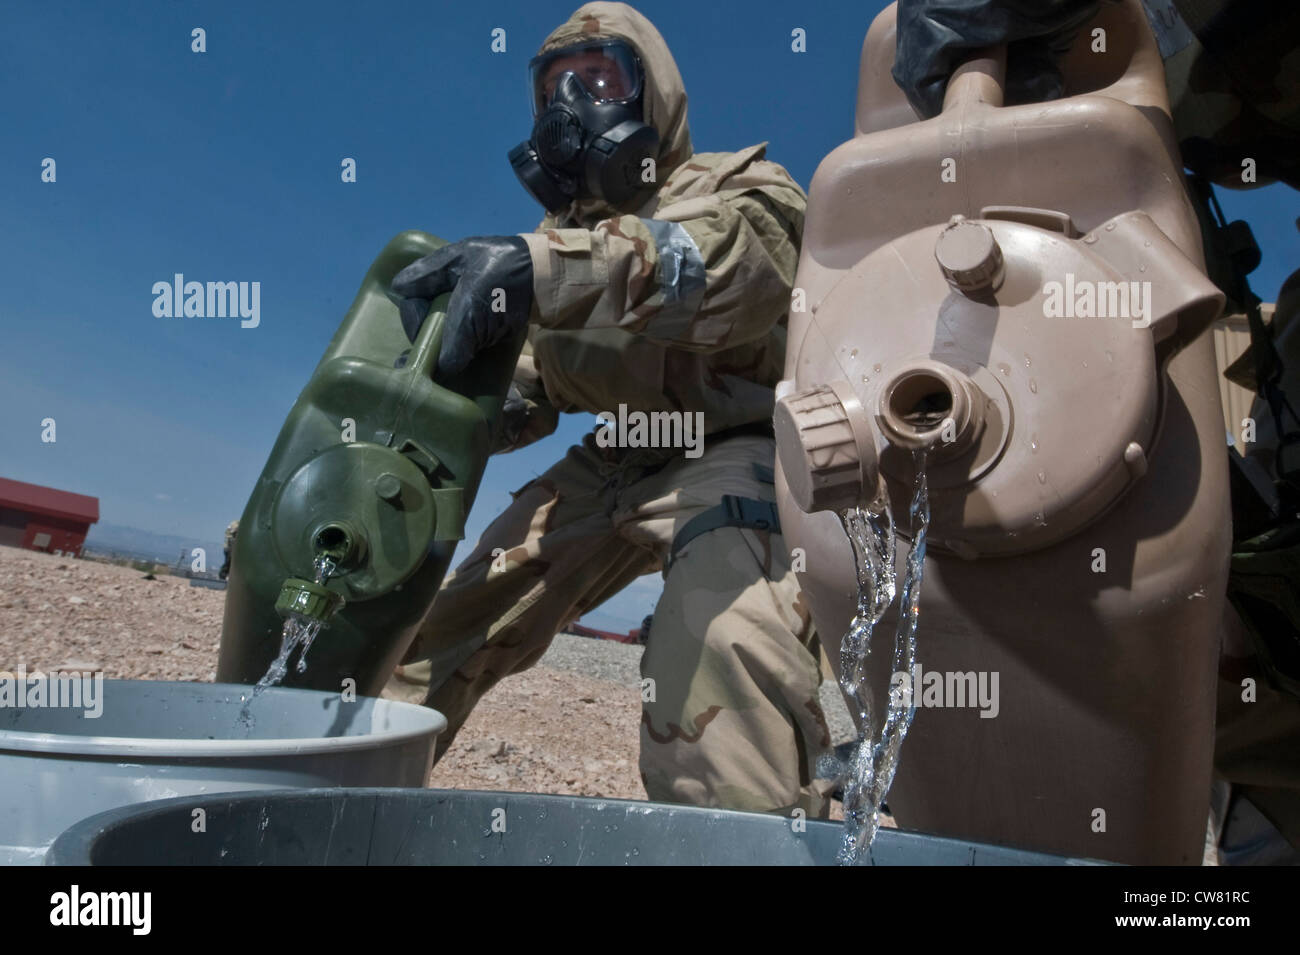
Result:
[
  {"x": 936, "y": 36},
  {"x": 491, "y": 283},
  {"x": 514, "y": 418}
]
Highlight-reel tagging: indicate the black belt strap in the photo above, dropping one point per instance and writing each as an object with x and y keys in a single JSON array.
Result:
[{"x": 732, "y": 512}]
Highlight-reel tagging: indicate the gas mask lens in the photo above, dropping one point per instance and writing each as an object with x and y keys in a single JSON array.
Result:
[{"x": 608, "y": 70}]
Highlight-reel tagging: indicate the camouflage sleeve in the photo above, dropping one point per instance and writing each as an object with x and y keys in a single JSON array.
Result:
[{"x": 707, "y": 273}]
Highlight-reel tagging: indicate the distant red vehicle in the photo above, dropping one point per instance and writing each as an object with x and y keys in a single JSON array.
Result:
[
  {"x": 633, "y": 636},
  {"x": 43, "y": 518}
]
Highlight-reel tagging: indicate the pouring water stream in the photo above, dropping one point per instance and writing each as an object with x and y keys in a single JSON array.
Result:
[
  {"x": 299, "y": 631},
  {"x": 871, "y": 532}
]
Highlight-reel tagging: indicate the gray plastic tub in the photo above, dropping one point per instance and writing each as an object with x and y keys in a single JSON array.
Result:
[
  {"x": 457, "y": 827},
  {"x": 155, "y": 740}
]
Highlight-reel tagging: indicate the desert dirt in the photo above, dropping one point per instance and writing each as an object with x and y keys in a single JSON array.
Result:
[{"x": 570, "y": 725}]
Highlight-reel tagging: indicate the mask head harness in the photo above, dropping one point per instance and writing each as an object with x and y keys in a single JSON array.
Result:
[{"x": 589, "y": 139}]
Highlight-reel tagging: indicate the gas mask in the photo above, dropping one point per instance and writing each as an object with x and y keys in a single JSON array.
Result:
[{"x": 589, "y": 140}]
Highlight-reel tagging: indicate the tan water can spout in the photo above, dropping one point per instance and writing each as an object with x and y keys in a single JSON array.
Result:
[
  {"x": 931, "y": 406},
  {"x": 827, "y": 441}
]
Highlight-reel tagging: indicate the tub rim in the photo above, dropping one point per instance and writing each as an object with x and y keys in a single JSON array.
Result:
[
  {"x": 117, "y": 747},
  {"x": 72, "y": 846}
]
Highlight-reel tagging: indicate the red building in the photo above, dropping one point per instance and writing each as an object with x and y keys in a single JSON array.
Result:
[{"x": 41, "y": 518}]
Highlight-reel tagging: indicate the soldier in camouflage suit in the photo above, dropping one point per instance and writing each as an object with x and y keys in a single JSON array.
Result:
[{"x": 730, "y": 708}]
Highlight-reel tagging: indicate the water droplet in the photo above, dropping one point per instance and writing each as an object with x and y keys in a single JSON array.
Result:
[
  {"x": 1110, "y": 356},
  {"x": 1042, "y": 477},
  {"x": 1004, "y": 368},
  {"x": 1033, "y": 385},
  {"x": 853, "y": 353},
  {"x": 1142, "y": 268},
  {"x": 1033, "y": 443},
  {"x": 876, "y": 368},
  {"x": 1028, "y": 362},
  {"x": 1089, "y": 238},
  {"x": 1147, "y": 243},
  {"x": 1110, "y": 227}
]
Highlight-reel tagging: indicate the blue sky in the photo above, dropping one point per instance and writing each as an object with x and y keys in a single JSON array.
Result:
[{"x": 225, "y": 166}]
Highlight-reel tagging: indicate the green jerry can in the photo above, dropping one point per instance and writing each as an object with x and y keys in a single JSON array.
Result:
[{"x": 375, "y": 469}]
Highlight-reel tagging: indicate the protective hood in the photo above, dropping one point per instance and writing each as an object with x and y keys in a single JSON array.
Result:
[{"x": 665, "y": 95}]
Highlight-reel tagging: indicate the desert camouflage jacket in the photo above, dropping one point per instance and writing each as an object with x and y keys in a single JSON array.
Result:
[{"x": 682, "y": 304}]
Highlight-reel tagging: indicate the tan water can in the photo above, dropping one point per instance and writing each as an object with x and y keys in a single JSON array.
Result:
[{"x": 1020, "y": 290}]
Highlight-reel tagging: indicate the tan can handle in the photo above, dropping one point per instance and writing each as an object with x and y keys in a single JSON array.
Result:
[{"x": 981, "y": 79}]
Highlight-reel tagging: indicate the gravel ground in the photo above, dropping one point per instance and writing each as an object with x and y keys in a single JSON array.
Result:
[
  {"x": 60, "y": 613},
  {"x": 549, "y": 731},
  {"x": 601, "y": 659}
]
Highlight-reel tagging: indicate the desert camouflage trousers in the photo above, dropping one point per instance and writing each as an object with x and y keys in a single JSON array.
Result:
[{"x": 732, "y": 717}]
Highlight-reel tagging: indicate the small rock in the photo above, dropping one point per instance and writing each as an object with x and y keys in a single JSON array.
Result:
[
  {"x": 79, "y": 666},
  {"x": 155, "y": 649},
  {"x": 500, "y": 751},
  {"x": 76, "y": 600}
]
